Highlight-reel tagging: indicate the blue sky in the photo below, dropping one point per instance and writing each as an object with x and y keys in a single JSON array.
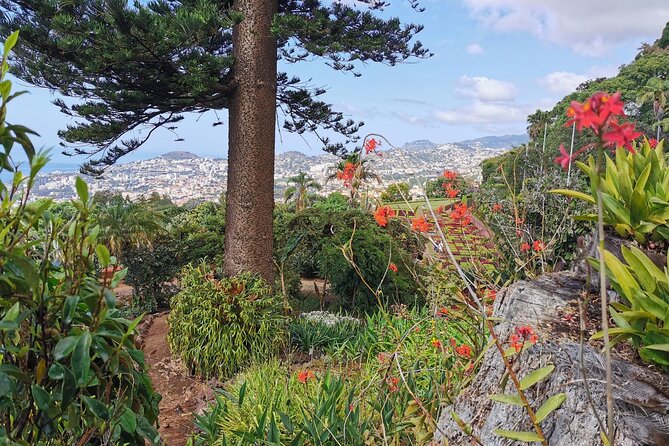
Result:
[{"x": 494, "y": 62}]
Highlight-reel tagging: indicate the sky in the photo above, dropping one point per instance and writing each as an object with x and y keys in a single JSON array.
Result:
[{"x": 495, "y": 62}]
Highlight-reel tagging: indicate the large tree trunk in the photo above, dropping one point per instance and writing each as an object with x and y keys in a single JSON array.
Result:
[{"x": 250, "y": 195}]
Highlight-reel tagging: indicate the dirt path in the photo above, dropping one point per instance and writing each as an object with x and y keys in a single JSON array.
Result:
[{"x": 182, "y": 395}]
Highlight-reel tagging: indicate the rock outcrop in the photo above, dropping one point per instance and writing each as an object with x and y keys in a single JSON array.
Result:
[{"x": 641, "y": 393}]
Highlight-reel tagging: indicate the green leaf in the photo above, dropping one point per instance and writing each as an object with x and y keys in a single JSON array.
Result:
[
  {"x": 65, "y": 347},
  {"x": 526, "y": 437},
  {"x": 128, "y": 421},
  {"x": 11, "y": 41},
  {"x": 549, "y": 406},
  {"x": 7, "y": 385},
  {"x": 81, "y": 358},
  {"x": 535, "y": 376},
  {"x": 69, "y": 308},
  {"x": 41, "y": 397},
  {"x": 661, "y": 347},
  {"x": 69, "y": 388},
  {"x": 96, "y": 407},
  {"x": 82, "y": 190},
  {"x": 12, "y": 314},
  {"x": 103, "y": 255},
  {"x": 574, "y": 194},
  {"x": 507, "y": 399}
]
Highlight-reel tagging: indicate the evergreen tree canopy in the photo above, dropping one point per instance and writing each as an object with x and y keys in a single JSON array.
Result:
[{"x": 141, "y": 65}]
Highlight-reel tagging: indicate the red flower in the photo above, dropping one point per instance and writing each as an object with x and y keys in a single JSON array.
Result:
[
  {"x": 305, "y": 375},
  {"x": 524, "y": 247},
  {"x": 490, "y": 294},
  {"x": 443, "y": 311},
  {"x": 538, "y": 246},
  {"x": 464, "y": 350},
  {"x": 622, "y": 135},
  {"x": 516, "y": 342},
  {"x": 436, "y": 343},
  {"x": 440, "y": 210},
  {"x": 496, "y": 207},
  {"x": 564, "y": 160},
  {"x": 371, "y": 145},
  {"x": 392, "y": 267},
  {"x": 595, "y": 112},
  {"x": 453, "y": 343},
  {"x": 652, "y": 143},
  {"x": 383, "y": 214},
  {"x": 383, "y": 357},
  {"x": 452, "y": 193},
  {"x": 450, "y": 175},
  {"x": 348, "y": 173},
  {"x": 393, "y": 382},
  {"x": 519, "y": 221},
  {"x": 420, "y": 224},
  {"x": 524, "y": 333}
]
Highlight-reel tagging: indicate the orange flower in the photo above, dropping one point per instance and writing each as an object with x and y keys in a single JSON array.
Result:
[
  {"x": 464, "y": 350},
  {"x": 450, "y": 175},
  {"x": 460, "y": 214},
  {"x": 383, "y": 214},
  {"x": 420, "y": 224},
  {"x": 393, "y": 382},
  {"x": 538, "y": 246},
  {"x": 436, "y": 343},
  {"x": 496, "y": 207},
  {"x": 305, "y": 375},
  {"x": 453, "y": 343},
  {"x": 392, "y": 267},
  {"x": 371, "y": 145},
  {"x": 443, "y": 311},
  {"x": 516, "y": 342},
  {"x": 348, "y": 173},
  {"x": 525, "y": 247},
  {"x": 490, "y": 294}
]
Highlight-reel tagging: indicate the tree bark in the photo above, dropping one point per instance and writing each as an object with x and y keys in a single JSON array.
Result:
[{"x": 250, "y": 192}]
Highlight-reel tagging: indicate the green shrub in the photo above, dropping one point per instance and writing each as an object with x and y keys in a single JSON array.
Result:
[
  {"x": 271, "y": 405},
  {"x": 635, "y": 193},
  {"x": 70, "y": 372},
  {"x": 218, "y": 326},
  {"x": 644, "y": 318},
  {"x": 311, "y": 335}
]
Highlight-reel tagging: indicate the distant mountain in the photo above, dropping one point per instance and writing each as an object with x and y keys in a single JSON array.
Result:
[
  {"x": 496, "y": 142},
  {"x": 421, "y": 144},
  {"x": 179, "y": 155}
]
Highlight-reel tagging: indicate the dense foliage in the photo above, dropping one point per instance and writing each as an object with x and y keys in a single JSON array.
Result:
[
  {"x": 70, "y": 371},
  {"x": 219, "y": 325}
]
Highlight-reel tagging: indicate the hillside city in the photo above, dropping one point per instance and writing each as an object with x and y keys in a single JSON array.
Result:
[{"x": 184, "y": 176}]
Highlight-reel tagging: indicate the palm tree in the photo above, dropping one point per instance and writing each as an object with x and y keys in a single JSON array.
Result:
[
  {"x": 301, "y": 183},
  {"x": 363, "y": 172},
  {"x": 124, "y": 223},
  {"x": 656, "y": 90}
]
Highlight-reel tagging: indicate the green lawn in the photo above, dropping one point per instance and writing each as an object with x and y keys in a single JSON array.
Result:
[{"x": 420, "y": 204}]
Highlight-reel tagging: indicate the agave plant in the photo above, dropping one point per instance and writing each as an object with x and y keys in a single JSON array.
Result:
[{"x": 635, "y": 193}]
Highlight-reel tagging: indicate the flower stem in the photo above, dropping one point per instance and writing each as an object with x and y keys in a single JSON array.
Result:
[{"x": 603, "y": 295}]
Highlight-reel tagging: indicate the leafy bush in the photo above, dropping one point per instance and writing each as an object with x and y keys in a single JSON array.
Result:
[
  {"x": 312, "y": 335},
  {"x": 644, "y": 318},
  {"x": 635, "y": 193},
  {"x": 151, "y": 269},
  {"x": 69, "y": 368},
  {"x": 219, "y": 325},
  {"x": 271, "y": 405}
]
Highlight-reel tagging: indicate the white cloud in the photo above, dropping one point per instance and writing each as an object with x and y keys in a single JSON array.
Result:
[
  {"x": 474, "y": 49},
  {"x": 565, "y": 82},
  {"x": 481, "y": 113},
  {"x": 485, "y": 89},
  {"x": 589, "y": 27},
  {"x": 562, "y": 82},
  {"x": 413, "y": 119}
]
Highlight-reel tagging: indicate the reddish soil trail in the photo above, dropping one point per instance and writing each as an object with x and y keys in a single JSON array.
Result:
[{"x": 182, "y": 395}]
